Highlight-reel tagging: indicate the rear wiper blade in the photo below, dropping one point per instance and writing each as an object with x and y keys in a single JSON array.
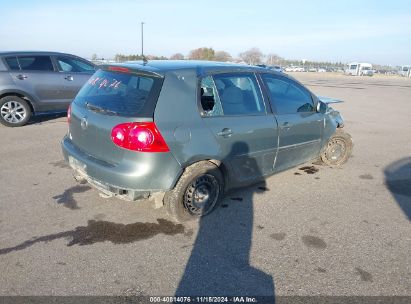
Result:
[{"x": 100, "y": 109}]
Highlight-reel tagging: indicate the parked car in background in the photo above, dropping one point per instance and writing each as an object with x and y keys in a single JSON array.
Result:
[
  {"x": 294, "y": 69},
  {"x": 37, "y": 83},
  {"x": 230, "y": 126},
  {"x": 299, "y": 69}
]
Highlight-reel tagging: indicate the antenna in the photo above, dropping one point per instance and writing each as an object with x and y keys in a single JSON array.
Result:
[
  {"x": 142, "y": 39},
  {"x": 145, "y": 61}
]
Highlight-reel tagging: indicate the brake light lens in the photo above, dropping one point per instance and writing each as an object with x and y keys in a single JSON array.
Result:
[
  {"x": 69, "y": 114},
  {"x": 119, "y": 69},
  {"x": 139, "y": 136}
]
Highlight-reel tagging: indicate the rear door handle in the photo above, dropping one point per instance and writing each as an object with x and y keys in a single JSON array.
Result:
[
  {"x": 21, "y": 77},
  {"x": 226, "y": 132},
  {"x": 286, "y": 126},
  {"x": 69, "y": 78}
]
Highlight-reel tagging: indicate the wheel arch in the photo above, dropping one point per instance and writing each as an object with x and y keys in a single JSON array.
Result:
[
  {"x": 175, "y": 199},
  {"x": 20, "y": 94},
  {"x": 218, "y": 163}
]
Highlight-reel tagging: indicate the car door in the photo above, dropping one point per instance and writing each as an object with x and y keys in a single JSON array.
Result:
[
  {"x": 300, "y": 126},
  {"x": 235, "y": 112},
  {"x": 36, "y": 75},
  {"x": 73, "y": 74}
]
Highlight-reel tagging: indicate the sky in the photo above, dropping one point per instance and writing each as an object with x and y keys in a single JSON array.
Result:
[{"x": 376, "y": 31}]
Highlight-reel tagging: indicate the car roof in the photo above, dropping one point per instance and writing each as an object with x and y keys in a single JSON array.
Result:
[
  {"x": 202, "y": 67},
  {"x": 18, "y": 53}
]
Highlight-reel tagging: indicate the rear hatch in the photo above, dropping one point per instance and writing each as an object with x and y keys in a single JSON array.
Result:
[{"x": 112, "y": 96}]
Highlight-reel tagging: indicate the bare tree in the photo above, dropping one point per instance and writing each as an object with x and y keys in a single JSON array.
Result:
[
  {"x": 94, "y": 56},
  {"x": 202, "y": 54},
  {"x": 177, "y": 56},
  {"x": 273, "y": 59},
  {"x": 252, "y": 56},
  {"x": 222, "y": 56},
  {"x": 154, "y": 57}
]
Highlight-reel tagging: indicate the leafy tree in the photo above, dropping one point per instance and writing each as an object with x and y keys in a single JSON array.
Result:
[
  {"x": 252, "y": 56},
  {"x": 203, "y": 53}
]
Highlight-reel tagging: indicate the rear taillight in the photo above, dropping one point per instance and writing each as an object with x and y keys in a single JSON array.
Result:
[
  {"x": 139, "y": 136},
  {"x": 69, "y": 114}
]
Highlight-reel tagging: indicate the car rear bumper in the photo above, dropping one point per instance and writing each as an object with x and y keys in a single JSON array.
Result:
[{"x": 158, "y": 173}]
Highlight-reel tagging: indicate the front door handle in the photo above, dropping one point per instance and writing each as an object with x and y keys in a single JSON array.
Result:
[
  {"x": 226, "y": 132},
  {"x": 69, "y": 78},
  {"x": 21, "y": 77}
]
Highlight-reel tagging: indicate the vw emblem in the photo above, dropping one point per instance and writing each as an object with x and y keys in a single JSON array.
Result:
[{"x": 84, "y": 123}]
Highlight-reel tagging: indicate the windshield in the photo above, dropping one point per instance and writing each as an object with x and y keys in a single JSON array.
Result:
[{"x": 117, "y": 93}]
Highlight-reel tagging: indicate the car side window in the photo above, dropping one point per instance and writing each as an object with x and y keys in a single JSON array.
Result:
[
  {"x": 35, "y": 63},
  {"x": 210, "y": 101},
  {"x": 68, "y": 64},
  {"x": 13, "y": 63},
  {"x": 239, "y": 94},
  {"x": 288, "y": 96}
]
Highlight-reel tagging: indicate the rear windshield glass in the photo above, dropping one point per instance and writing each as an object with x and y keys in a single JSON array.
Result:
[{"x": 117, "y": 93}]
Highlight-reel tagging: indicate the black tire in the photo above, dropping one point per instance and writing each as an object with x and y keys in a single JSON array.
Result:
[
  {"x": 14, "y": 111},
  {"x": 201, "y": 181},
  {"x": 338, "y": 149}
]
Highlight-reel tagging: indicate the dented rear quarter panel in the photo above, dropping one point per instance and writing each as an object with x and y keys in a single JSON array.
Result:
[{"x": 187, "y": 136}]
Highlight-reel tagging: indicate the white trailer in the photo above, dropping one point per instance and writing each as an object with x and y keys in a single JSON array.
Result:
[
  {"x": 405, "y": 71},
  {"x": 359, "y": 69}
]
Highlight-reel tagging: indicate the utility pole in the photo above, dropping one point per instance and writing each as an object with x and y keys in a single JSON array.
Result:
[{"x": 142, "y": 40}]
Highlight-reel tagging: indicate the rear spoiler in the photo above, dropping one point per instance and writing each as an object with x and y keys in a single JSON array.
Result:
[
  {"x": 138, "y": 69},
  {"x": 328, "y": 100}
]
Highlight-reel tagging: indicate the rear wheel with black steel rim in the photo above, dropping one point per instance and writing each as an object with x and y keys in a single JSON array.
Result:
[
  {"x": 196, "y": 193},
  {"x": 338, "y": 149},
  {"x": 14, "y": 111}
]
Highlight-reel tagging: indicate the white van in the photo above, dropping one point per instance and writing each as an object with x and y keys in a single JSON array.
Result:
[
  {"x": 405, "y": 71},
  {"x": 359, "y": 69}
]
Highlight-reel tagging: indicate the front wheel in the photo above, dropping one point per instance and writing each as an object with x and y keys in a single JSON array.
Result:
[
  {"x": 338, "y": 149},
  {"x": 14, "y": 111},
  {"x": 196, "y": 193}
]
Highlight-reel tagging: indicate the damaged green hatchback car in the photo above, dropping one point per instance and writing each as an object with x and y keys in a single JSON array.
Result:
[{"x": 184, "y": 132}]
